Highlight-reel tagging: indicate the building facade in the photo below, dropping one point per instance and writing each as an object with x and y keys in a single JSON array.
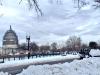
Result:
[{"x": 10, "y": 42}]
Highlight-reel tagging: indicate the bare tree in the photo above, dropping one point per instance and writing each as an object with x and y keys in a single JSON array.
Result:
[
  {"x": 59, "y": 2},
  {"x": 44, "y": 48},
  {"x": 34, "y": 46},
  {"x": 35, "y": 4},
  {"x": 80, "y": 3},
  {"x": 32, "y": 3},
  {"x": 54, "y": 46},
  {"x": 74, "y": 43},
  {"x": 23, "y": 46}
]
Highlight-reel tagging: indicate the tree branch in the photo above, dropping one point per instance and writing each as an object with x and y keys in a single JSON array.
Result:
[{"x": 35, "y": 4}]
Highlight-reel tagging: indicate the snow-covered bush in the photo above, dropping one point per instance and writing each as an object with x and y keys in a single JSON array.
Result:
[{"x": 94, "y": 52}]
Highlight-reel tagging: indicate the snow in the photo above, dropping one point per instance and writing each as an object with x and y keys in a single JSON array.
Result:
[
  {"x": 37, "y": 60},
  {"x": 94, "y": 52},
  {"x": 87, "y": 66},
  {"x": 62, "y": 20}
]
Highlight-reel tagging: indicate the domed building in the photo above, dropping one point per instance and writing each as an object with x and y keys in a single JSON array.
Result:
[{"x": 10, "y": 42}]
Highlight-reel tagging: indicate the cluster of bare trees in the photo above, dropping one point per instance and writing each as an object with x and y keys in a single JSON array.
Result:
[
  {"x": 36, "y": 48},
  {"x": 73, "y": 43}
]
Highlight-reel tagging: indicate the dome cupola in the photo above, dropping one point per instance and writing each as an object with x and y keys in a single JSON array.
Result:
[{"x": 10, "y": 39}]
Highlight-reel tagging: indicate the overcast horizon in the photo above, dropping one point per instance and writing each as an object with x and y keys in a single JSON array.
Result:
[{"x": 58, "y": 22}]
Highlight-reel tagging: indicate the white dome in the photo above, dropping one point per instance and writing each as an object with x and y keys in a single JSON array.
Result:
[{"x": 10, "y": 39}]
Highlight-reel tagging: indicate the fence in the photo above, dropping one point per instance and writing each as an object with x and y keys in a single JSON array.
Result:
[{"x": 3, "y": 58}]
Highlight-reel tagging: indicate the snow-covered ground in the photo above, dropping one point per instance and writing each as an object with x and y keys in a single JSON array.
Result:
[
  {"x": 37, "y": 60},
  {"x": 59, "y": 20},
  {"x": 87, "y": 66}
]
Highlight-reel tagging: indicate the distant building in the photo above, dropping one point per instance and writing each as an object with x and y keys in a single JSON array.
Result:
[
  {"x": 0, "y": 50},
  {"x": 10, "y": 42}
]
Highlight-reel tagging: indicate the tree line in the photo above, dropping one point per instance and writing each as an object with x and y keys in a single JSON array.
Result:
[{"x": 73, "y": 43}]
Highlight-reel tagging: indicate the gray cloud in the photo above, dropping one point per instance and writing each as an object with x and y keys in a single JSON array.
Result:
[{"x": 58, "y": 22}]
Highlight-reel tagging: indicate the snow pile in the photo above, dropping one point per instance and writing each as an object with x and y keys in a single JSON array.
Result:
[
  {"x": 95, "y": 52},
  {"x": 87, "y": 66}
]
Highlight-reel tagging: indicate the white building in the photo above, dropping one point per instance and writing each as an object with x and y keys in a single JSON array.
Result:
[{"x": 10, "y": 42}]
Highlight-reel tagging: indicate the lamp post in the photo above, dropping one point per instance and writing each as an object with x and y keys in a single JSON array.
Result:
[{"x": 28, "y": 41}]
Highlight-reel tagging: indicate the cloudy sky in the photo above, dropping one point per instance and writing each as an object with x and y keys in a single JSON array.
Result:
[{"x": 58, "y": 22}]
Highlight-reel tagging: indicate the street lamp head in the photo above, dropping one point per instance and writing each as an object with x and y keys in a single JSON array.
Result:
[{"x": 28, "y": 38}]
